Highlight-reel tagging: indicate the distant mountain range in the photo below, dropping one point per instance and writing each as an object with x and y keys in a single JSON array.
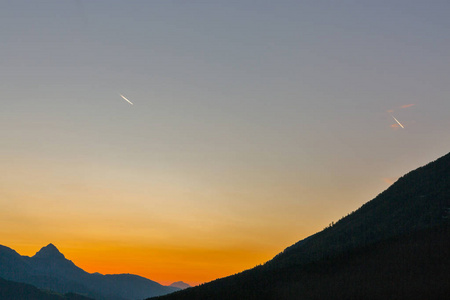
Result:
[
  {"x": 396, "y": 246},
  {"x": 49, "y": 269}
]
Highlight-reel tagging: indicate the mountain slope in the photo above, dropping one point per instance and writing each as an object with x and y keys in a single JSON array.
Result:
[
  {"x": 417, "y": 202},
  {"x": 419, "y": 199},
  {"x": 49, "y": 269},
  {"x": 411, "y": 266},
  {"x": 13, "y": 266}
]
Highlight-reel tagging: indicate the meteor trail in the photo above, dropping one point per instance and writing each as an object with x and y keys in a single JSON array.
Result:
[
  {"x": 123, "y": 97},
  {"x": 398, "y": 122}
]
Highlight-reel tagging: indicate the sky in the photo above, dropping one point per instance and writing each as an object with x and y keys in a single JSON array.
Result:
[{"x": 254, "y": 124}]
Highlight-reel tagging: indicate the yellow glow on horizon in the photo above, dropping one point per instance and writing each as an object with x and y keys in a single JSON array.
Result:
[
  {"x": 167, "y": 264},
  {"x": 160, "y": 225}
]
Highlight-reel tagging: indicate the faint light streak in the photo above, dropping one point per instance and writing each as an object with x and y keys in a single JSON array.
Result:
[
  {"x": 398, "y": 122},
  {"x": 407, "y": 105},
  {"x": 123, "y": 97}
]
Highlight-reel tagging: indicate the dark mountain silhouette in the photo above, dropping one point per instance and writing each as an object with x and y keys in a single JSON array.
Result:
[
  {"x": 49, "y": 269},
  {"x": 396, "y": 246},
  {"x": 49, "y": 252},
  {"x": 10, "y": 290},
  {"x": 181, "y": 285},
  {"x": 413, "y": 266}
]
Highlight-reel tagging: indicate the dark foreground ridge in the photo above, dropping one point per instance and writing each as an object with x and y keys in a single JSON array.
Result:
[
  {"x": 10, "y": 290},
  {"x": 396, "y": 246}
]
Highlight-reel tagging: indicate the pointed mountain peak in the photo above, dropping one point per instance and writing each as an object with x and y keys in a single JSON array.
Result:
[{"x": 49, "y": 251}]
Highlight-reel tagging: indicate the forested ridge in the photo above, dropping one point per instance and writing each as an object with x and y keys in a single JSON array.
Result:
[{"x": 395, "y": 246}]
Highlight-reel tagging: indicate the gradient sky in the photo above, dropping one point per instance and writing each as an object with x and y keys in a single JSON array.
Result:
[{"x": 254, "y": 124}]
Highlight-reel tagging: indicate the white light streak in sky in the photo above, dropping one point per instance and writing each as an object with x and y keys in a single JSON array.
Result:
[
  {"x": 398, "y": 122},
  {"x": 125, "y": 99}
]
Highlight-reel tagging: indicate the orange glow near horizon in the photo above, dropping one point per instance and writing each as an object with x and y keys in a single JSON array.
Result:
[
  {"x": 252, "y": 127},
  {"x": 193, "y": 266},
  {"x": 163, "y": 265},
  {"x": 180, "y": 228}
]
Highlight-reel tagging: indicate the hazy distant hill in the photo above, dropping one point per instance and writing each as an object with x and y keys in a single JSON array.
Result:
[
  {"x": 10, "y": 290},
  {"x": 396, "y": 246},
  {"x": 181, "y": 285},
  {"x": 49, "y": 269}
]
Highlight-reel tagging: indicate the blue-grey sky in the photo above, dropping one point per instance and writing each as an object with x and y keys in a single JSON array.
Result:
[{"x": 254, "y": 124}]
